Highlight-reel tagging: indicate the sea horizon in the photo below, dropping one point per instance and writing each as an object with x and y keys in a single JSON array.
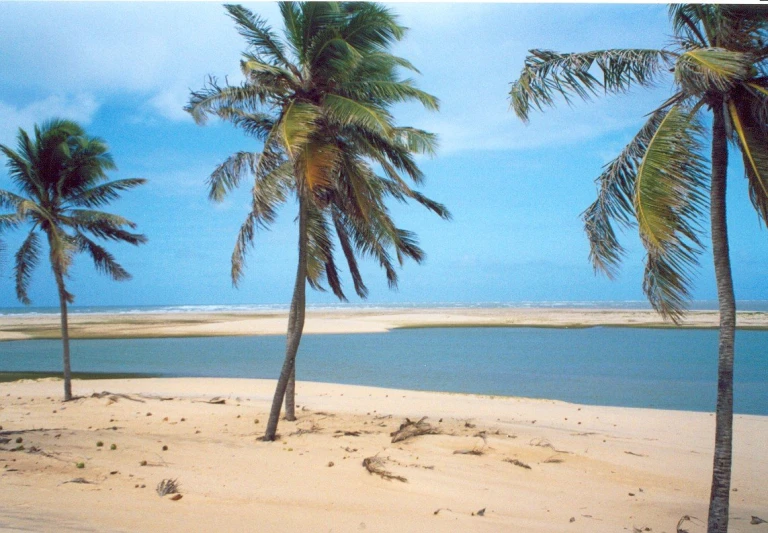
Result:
[{"x": 696, "y": 305}]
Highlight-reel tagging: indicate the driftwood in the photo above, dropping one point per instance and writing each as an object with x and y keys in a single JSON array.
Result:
[
  {"x": 375, "y": 465},
  {"x": 216, "y": 400},
  {"x": 517, "y": 462},
  {"x": 114, "y": 396},
  {"x": 409, "y": 429},
  {"x": 684, "y": 519},
  {"x": 473, "y": 451}
]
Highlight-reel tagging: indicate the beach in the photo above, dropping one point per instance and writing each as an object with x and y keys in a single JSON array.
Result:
[
  {"x": 487, "y": 463},
  {"x": 352, "y": 320},
  {"x": 493, "y": 464}
]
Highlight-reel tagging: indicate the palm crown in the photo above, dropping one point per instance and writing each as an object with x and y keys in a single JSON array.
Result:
[
  {"x": 61, "y": 177},
  {"x": 659, "y": 181},
  {"x": 318, "y": 100}
]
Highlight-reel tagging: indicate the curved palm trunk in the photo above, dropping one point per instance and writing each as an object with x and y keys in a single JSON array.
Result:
[
  {"x": 721, "y": 473},
  {"x": 290, "y": 395},
  {"x": 295, "y": 326},
  {"x": 64, "y": 331}
]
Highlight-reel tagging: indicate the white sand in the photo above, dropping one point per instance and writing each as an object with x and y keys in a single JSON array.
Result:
[
  {"x": 14, "y": 327},
  {"x": 608, "y": 469}
]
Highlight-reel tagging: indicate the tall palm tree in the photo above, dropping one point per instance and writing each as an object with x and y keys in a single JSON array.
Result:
[
  {"x": 660, "y": 181},
  {"x": 319, "y": 98},
  {"x": 61, "y": 177}
]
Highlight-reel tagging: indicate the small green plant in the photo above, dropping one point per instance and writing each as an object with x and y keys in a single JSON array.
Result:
[
  {"x": 19, "y": 440},
  {"x": 113, "y": 447},
  {"x": 80, "y": 465},
  {"x": 99, "y": 444}
]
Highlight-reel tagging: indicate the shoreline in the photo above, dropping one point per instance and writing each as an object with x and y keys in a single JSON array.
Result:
[
  {"x": 584, "y": 468},
  {"x": 348, "y": 321}
]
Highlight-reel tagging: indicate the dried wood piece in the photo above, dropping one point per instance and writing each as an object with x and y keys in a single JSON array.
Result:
[
  {"x": 473, "y": 451},
  {"x": 375, "y": 465},
  {"x": 517, "y": 462},
  {"x": 409, "y": 429},
  {"x": 114, "y": 396}
]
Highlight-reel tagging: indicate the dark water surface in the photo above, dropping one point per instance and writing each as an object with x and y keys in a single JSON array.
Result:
[{"x": 632, "y": 367}]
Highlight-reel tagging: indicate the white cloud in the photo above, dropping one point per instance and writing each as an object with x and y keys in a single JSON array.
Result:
[{"x": 79, "y": 107}]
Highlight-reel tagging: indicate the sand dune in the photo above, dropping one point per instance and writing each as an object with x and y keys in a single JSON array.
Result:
[{"x": 592, "y": 469}]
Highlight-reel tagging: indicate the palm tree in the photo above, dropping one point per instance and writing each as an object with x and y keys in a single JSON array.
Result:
[
  {"x": 61, "y": 177},
  {"x": 319, "y": 101},
  {"x": 660, "y": 179}
]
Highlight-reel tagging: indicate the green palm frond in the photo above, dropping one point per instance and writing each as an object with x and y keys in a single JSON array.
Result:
[
  {"x": 105, "y": 193},
  {"x": 547, "y": 74},
  {"x": 392, "y": 92},
  {"x": 711, "y": 69},
  {"x": 753, "y": 142},
  {"x": 102, "y": 259},
  {"x": 27, "y": 258},
  {"x": 297, "y": 123},
  {"x": 258, "y": 34},
  {"x": 668, "y": 201},
  {"x": 104, "y": 226},
  {"x": 228, "y": 174},
  {"x": 349, "y": 255},
  {"x": 221, "y": 101},
  {"x": 345, "y": 111},
  {"x": 615, "y": 200}
]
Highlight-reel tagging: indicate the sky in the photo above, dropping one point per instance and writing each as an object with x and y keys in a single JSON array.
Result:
[{"x": 125, "y": 71}]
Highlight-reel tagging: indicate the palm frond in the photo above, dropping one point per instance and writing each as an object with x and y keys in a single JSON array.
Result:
[
  {"x": 753, "y": 142},
  {"x": 27, "y": 258},
  {"x": 104, "y": 226},
  {"x": 668, "y": 202},
  {"x": 297, "y": 124},
  {"x": 222, "y": 101},
  {"x": 258, "y": 34},
  {"x": 228, "y": 174},
  {"x": 711, "y": 69},
  {"x": 103, "y": 194},
  {"x": 616, "y": 190},
  {"x": 102, "y": 259},
  {"x": 349, "y": 254},
  {"x": 547, "y": 74},
  {"x": 345, "y": 111}
]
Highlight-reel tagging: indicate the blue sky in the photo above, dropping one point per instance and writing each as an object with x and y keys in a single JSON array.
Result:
[{"x": 124, "y": 70}]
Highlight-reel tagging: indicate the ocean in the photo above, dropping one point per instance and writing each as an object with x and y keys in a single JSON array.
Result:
[
  {"x": 742, "y": 305},
  {"x": 630, "y": 367}
]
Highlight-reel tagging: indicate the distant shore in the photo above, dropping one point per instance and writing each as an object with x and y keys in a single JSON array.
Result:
[{"x": 360, "y": 320}]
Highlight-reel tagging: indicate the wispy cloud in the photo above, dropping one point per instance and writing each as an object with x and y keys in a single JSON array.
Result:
[{"x": 79, "y": 107}]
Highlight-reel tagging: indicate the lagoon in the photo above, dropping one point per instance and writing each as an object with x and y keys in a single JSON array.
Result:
[{"x": 630, "y": 367}]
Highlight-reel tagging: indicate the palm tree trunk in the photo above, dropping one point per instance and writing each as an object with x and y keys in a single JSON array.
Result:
[
  {"x": 721, "y": 472},
  {"x": 290, "y": 395},
  {"x": 295, "y": 325},
  {"x": 64, "y": 332}
]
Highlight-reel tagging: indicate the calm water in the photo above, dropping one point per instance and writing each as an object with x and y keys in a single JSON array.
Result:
[{"x": 661, "y": 368}]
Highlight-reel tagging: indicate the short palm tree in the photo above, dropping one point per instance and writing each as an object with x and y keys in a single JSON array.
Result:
[
  {"x": 319, "y": 100},
  {"x": 61, "y": 177},
  {"x": 660, "y": 181}
]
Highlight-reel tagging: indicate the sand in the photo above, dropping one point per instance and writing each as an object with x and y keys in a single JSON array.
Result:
[
  {"x": 18, "y": 327},
  {"x": 592, "y": 469}
]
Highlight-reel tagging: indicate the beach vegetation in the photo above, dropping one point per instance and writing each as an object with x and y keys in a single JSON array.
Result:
[
  {"x": 61, "y": 178},
  {"x": 318, "y": 97},
  {"x": 663, "y": 181}
]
